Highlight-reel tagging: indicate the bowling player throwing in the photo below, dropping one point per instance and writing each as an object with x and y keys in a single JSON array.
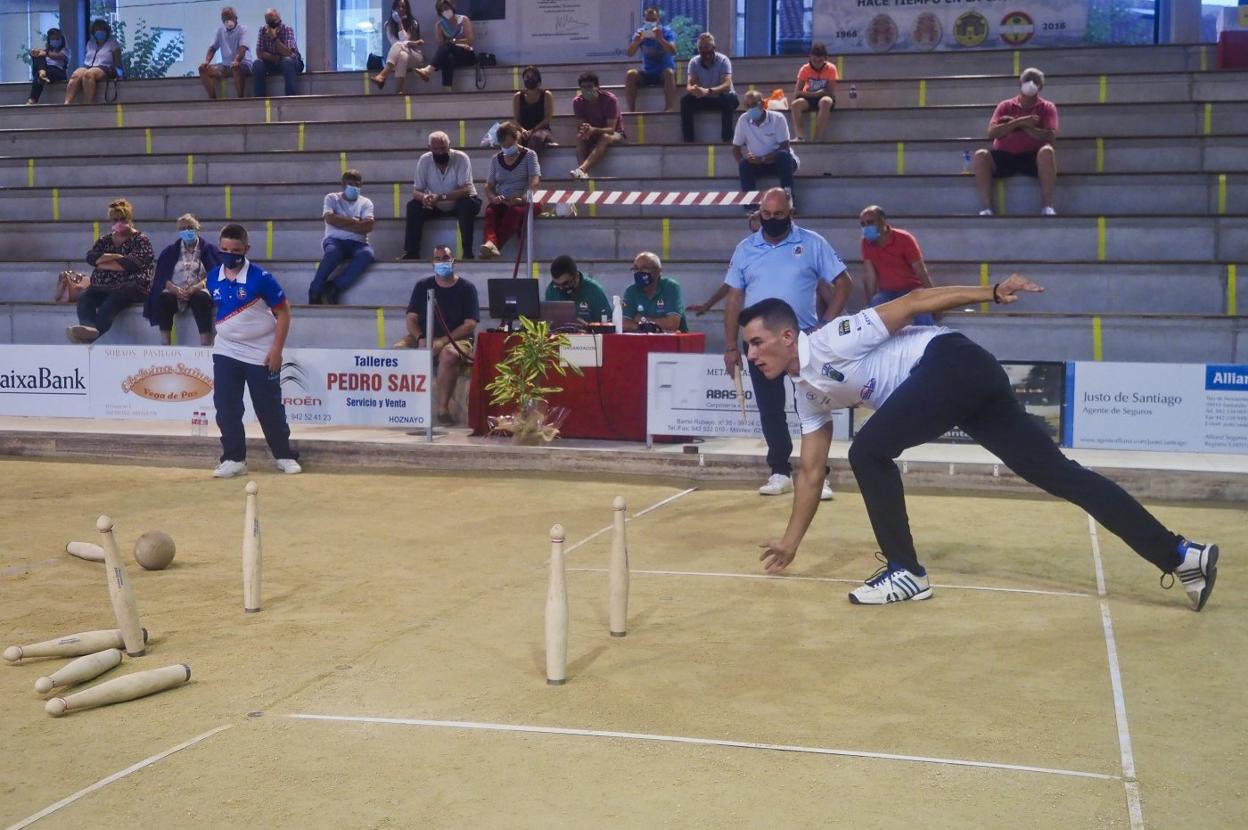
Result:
[{"x": 922, "y": 381}]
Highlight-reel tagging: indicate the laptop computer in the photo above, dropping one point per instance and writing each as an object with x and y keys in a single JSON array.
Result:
[{"x": 558, "y": 312}]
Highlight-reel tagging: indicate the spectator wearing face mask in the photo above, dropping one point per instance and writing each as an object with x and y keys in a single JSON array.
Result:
[
  {"x": 709, "y": 88},
  {"x": 443, "y": 185},
  {"x": 180, "y": 282},
  {"x": 653, "y": 298},
  {"x": 123, "y": 263},
  {"x": 100, "y": 63},
  {"x": 348, "y": 222},
  {"x": 892, "y": 262},
  {"x": 48, "y": 64},
  {"x": 657, "y": 44},
  {"x": 533, "y": 108},
  {"x": 514, "y": 174},
  {"x": 232, "y": 39},
  {"x": 277, "y": 53},
  {"x": 600, "y": 123},
  {"x": 1022, "y": 130},
  {"x": 761, "y": 145},
  {"x": 457, "y": 310},
  {"x": 568, "y": 283},
  {"x": 815, "y": 89},
  {"x": 403, "y": 42},
  {"x": 455, "y": 42}
]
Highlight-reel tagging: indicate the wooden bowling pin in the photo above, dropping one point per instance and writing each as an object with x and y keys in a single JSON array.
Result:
[
  {"x": 556, "y": 613},
  {"x": 85, "y": 550},
  {"x": 120, "y": 591},
  {"x": 251, "y": 551},
  {"x": 71, "y": 645},
  {"x": 617, "y": 573},
  {"x": 128, "y": 687},
  {"x": 80, "y": 670}
]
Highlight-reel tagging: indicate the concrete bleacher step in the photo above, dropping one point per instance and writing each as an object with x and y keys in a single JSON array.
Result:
[
  {"x": 1164, "y": 194},
  {"x": 1077, "y": 121},
  {"x": 1061, "y": 239},
  {"x": 1221, "y": 154}
]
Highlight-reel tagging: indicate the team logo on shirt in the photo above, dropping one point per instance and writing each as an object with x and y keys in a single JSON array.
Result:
[
  {"x": 242, "y": 293},
  {"x": 797, "y": 250},
  {"x": 867, "y": 391},
  {"x": 829, "y": 371},
  {"x": 843, "y": 327}
]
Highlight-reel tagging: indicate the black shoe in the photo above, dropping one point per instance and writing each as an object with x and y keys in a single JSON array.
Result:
[
  {"x": 332, "y": 295},
  {"x": 406, "y": 256},
  {"x": 468, "y": 255},
  {"x": 314, "y": 299}
]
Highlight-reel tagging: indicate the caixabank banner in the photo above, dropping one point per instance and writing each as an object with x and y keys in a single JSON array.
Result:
[{"x": 44, "y": 381}]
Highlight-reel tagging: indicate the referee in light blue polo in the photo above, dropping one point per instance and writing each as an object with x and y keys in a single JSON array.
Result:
[{"x": 788, "y": 262}]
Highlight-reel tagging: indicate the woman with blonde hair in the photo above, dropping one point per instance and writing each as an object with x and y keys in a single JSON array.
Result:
[
  {"x": 180, "y": 280},
  {"x": 123, "y": 263}
]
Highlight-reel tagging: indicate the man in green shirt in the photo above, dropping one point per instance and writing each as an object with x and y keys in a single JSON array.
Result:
[
  {"x": 653, "y": 297},
  {"x": 568, "y": 283}
]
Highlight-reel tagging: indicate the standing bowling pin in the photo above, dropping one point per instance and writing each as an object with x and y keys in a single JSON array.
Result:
[
  {"x": 125, "y": 608},
  {"x": 122, "y": 688},
  {"x": 251, "y": 551},
  {"x": 618, "y": 573},
  {"x": 79, "y": 671},
  {"x": 556, "y": 614},
  {"x": 71, "y": 645}
]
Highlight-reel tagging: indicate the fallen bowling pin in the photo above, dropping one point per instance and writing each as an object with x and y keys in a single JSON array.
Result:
[
  {"x": 251, "y": 551},
  {"x": 85, "y": 550},
  {"x": 121, "y": 689},
  {"x": 617, "y": 573},
  {"x": 125, "y": 607},
  {"x": 556, "y": 613},
  {"x": 71, "y": 645},
  {"x": 80, "y": 670}
]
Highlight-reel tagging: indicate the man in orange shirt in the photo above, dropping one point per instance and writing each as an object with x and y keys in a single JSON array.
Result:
[
  {"x": 815, "y": 89},
  {"x": 892, "y": 261}
]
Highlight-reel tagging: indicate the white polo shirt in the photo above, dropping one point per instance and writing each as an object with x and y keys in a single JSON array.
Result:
[
  {"x": 764, "y": 138},
  {"x": 853, "y": 361}
]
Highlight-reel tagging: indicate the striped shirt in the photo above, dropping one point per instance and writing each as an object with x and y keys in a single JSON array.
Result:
[{"x": 512, "y": 179}]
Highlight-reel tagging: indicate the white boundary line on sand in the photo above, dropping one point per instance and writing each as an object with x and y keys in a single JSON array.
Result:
[
  {"x": 116, "y": 776},
  {"x": 642, "y": 736},
  {"x": 836, "y": 579},
  {"x": 1134, "y": 808},
  {"x": 591, "y": 537}
]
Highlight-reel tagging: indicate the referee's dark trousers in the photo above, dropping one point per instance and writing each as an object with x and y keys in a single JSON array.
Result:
[
  {"x": 958, "y": 383},
  {"x": 771, "y": 397}
]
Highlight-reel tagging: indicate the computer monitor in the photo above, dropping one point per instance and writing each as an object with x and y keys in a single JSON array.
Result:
[{"x": 511, "y": 298}]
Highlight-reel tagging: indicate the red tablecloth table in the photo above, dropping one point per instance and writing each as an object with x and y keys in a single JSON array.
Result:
[{"x": 609, "y": 402}]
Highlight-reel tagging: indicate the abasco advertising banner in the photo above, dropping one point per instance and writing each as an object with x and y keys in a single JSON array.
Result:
[{"x": 847, "y": 26}]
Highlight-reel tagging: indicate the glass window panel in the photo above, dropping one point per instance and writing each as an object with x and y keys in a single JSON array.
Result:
[{"x": 22, "y": 27}]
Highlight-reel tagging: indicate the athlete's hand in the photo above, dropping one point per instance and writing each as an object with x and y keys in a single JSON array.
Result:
[
  {"x": 1008, "y": 289},
  {"x": 776, "y": 557}
]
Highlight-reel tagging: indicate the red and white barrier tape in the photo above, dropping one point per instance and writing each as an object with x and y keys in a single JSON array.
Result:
[{"x": 644, "y": 198}]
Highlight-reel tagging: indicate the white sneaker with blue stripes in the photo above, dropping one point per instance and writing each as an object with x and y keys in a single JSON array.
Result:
[
  {"x": 891, "y": 583},
  {"x": 1197, "y": 571}
]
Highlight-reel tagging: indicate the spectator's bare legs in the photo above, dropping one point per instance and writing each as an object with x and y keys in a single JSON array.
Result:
[
  {"x": 630, "y": 89},
  {"x": 448, "y": 375},
  {"x": 825, "y": 115},
  {"x": 92, "y": 77},
  {"x": 71, "y": 87},
  {"x": 590, "y": 153},
  {"x": 1046, "y": 167},
  {"x": 981, "y": 164},
  {"x": 208, "y": 76},
  {"x": 799, "y": 108},
  {"x": 669, "y": 89}
]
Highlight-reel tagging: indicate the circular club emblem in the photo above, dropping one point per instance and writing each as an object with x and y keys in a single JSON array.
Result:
[
  {"x": 927, "y": 32},
  {"x": 970, "y": 29},
  {"x": 881, "y": 33},
  {"x": 1017, "y": 28}
]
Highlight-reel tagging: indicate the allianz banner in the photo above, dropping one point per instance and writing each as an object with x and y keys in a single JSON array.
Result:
[{"x": 847, "y": 26}]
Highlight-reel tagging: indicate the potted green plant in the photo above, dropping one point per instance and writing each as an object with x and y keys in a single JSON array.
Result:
[{"x": 533, "y": 354}]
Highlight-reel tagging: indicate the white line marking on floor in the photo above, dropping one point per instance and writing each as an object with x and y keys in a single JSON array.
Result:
[
  {"x": 835, "y": 579},
  {"x": 1134, "y": 808},
  {"x": 116, "y": 776},
  {"x": 641, "y": 736},
  {"x": 591, "y": 537}
]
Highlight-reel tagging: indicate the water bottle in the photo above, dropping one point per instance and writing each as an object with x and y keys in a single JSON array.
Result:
[
  {"x": 196, "y": 424},
  {"x": 617, "y": 314},
  {"x": 853, "y": 95},
  {"x": 966, "y": 161}
]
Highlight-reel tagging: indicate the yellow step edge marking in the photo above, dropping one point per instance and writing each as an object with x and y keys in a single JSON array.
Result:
[
  {"x": 56, "y": 204},
  {"x": 407, "y": 107},
  {"x": 397, "y": 214},
  {"x": 1097, "y": 351},
  {"x": 710, "y": 161},
  {"x": 190, "y": 168},
  {"x": 840, "y": 67},
  {"x": 810, "y": 131},
  {"x": 983, "y": 280},
  {"x": 368, "y": 84},
  {"x": 1000, "y": 185},
  {"x": 922, "y": 93},
  {"x": 641, "y": 129},
  {"x": 30, "y": 172},
  {"x": 1103, "y": 95},
  {"x": 1100, "y": 155},
  {"x": 1017, "y": 64},
  {"x": 229, "y": 212},
  {"x": 381, "y": 327},
  {"x": 463, "y": 133},
  {"x": 268, "y": 111},
  {"x": 593, "y": 209},
  {"x": 268, "y": 239},
  {"x": 221, "y": 88},
  {"x": 536, "y": 270},
  {"x": 120, "y": 116},
  {"x": 147, "y": 140},
  {"x": 1231, "y": 289},
  {"x": 1209, "y": 118},
  {"x": 901, "y": 158},
  {"x": 301, "y": 136},
  {"x": 515, "y": 78},
  {"x": 667, "y": 238},
  {"x": 95, "y": 232},
  {"x": 751, "y": 88},
  {"x": 680, "y": 71},
  {"x": 342, "y": 162},
  {"x": 459, "y": 244},
  {"x": 1100, "y": 240},
  {"x": 1204, "y": 59},
  {"x": 1221, "y": 194}
]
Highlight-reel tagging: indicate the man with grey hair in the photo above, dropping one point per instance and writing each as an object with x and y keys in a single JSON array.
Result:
[
  {"x": 761, "y": 145},
  {"x": 277, "y": 52},
  {"x": 231, "y": 40},
  {"x": 653, "y": 299},
  {"x": 709, "y": 87},
  {"x": 1022, "y": 130},
  {"x": 443, "y": 186}
]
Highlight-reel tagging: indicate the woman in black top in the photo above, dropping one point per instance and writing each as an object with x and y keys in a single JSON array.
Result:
[
  {"x": 532, "y": 108},
  {"x": 51, "y": 63}
]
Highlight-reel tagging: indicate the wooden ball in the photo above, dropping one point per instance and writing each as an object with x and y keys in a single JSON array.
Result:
[{"x": 154, "y": 550}]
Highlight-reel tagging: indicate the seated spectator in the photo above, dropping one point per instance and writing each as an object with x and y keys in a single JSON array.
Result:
[
  {"x": 277, "y": 53},
  {"x": 232, "y": 39},
  {"x": 568, "y": 283},
  {"x": 51, "y": 63},
  {"x": 101, "y": 62},
  {"x": 709, "y": 88},
  {"x": 443, "y": 185},
  {"x": 600, "y": 124},
  {"x": 514, "y": 174},
  {"x": 532, "y": 108},
  {"x": 456, "y": 314},
  {"x": 761, "y": 145},
  {"x": 403, "y": 42},
  {"x": 123, "y": 263},
  {"x": 455, "y": 42},
  {"x": 892, "y": 261},
  {"x": 348, "y": 222},
  {"x": 1022, "y": 130},
  {"x": 653, "y": 298},
  {"x": 657, "y": 43},
  {"x": 815, "y": 90},
  {"x": 180, "y": 282}
]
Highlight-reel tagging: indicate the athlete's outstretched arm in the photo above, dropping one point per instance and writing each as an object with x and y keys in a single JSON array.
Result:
[
  {"x": 899, "y": 313},
  {"x": 811, "y": 469}
]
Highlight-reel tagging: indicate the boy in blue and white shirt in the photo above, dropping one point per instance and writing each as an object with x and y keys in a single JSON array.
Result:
[{"x": 253, "y": 319}]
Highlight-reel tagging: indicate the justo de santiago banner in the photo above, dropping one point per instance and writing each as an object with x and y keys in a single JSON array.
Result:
[{"x": 942, "y": 25}]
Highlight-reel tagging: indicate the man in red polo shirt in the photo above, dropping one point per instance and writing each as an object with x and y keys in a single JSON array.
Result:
[
  {"x": 1022, "y": 130},
  {"x": 892, "y": 261}
]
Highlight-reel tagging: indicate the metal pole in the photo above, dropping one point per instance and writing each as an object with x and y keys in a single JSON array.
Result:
[
  {"x": 433, "y": 370},
  {"x": 528, "y": 237}
]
